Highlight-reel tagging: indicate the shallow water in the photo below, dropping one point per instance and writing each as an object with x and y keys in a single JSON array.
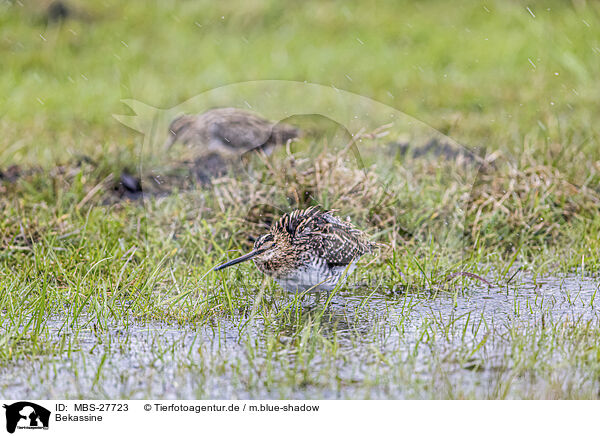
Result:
[{"x": 371, "y": 345}]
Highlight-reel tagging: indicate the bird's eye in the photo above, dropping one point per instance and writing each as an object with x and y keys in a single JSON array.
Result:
[{"x": 262, "y": 240}]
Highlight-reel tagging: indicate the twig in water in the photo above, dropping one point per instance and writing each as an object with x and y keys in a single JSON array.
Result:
[{"x": 467, "y": 274}]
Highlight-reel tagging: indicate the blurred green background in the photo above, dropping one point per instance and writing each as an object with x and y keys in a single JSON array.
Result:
[
  {"x": 519, "y": 80},
  {"x": 486, "y": 73}
]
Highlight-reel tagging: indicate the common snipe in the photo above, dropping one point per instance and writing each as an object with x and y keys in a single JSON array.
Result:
[{"x": 308, "y": 250}]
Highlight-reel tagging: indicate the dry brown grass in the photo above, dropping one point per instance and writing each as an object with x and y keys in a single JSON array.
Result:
[
  {"x": 421, "y": 197},
  {"x": 333, "y": 180},
  {"x": 537, "y": 199}
]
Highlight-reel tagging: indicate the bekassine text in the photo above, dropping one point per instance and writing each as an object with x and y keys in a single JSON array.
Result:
[{"x": 78, "y": 418}]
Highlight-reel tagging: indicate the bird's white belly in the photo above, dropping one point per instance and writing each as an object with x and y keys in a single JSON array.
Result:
[{"x": 314, "y": 278}]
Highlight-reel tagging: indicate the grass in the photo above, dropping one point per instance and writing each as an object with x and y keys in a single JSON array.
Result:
[{"x": 114, "y": 298}]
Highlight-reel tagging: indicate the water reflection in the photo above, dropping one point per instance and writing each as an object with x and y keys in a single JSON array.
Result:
[{"x": 358, "y": 331}]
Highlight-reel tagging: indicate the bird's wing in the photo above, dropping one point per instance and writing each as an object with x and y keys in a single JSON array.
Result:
[
  {"x": 338, "y": 242},
  {"x": 241, "y": 131}
]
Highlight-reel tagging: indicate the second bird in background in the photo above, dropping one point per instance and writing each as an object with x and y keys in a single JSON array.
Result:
[{"x": 229, "y": 132}]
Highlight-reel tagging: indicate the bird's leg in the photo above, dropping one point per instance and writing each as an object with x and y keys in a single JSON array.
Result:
[{"x": 276, "y": 305}]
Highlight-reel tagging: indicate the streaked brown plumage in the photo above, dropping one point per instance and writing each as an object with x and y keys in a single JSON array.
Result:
[
  {"x": 308, "y": 250},
  {"x": 229, "y": 131}
]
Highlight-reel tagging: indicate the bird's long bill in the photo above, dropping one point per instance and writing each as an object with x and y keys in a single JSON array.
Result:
[{"x": 239, "y": 259}]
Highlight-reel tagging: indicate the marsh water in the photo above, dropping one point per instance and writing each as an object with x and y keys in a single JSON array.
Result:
[{"x": 471, "y": 343}]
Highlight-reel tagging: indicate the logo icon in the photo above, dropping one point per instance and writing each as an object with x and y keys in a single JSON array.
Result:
[{"x": 26, "y": 415}]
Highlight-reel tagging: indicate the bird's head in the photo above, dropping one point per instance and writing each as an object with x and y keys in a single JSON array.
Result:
[
  {"x": 177, "y": 128},
  {"x": 264, "y": 249}
]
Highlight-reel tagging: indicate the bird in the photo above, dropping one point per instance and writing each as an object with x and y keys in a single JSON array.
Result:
[
  {"x": 308, "y": 250},
  {"x": 229, "y": 132}
]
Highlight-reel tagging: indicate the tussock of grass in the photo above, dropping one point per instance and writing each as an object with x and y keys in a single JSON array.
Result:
[
  {"x": 536, "y": 204},
  {"x": 296, "y": 182}
]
